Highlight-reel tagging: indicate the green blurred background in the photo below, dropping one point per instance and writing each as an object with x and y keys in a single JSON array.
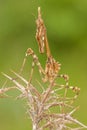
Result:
[{"x": 66, "y": 22}]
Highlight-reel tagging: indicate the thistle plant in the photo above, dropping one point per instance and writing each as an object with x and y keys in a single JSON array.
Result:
[{"x": 49, "y": 107}]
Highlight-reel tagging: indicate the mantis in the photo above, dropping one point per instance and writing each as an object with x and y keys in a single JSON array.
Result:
[{"x": 52, "y": 67}]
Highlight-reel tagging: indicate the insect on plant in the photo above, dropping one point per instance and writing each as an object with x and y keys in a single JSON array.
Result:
[
  {"x": 52, "y": 67},
  {"x": 41, "y": 104}
]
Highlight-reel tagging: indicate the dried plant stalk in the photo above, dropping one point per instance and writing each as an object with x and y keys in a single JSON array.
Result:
[{"x": 49, "y": 108}]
